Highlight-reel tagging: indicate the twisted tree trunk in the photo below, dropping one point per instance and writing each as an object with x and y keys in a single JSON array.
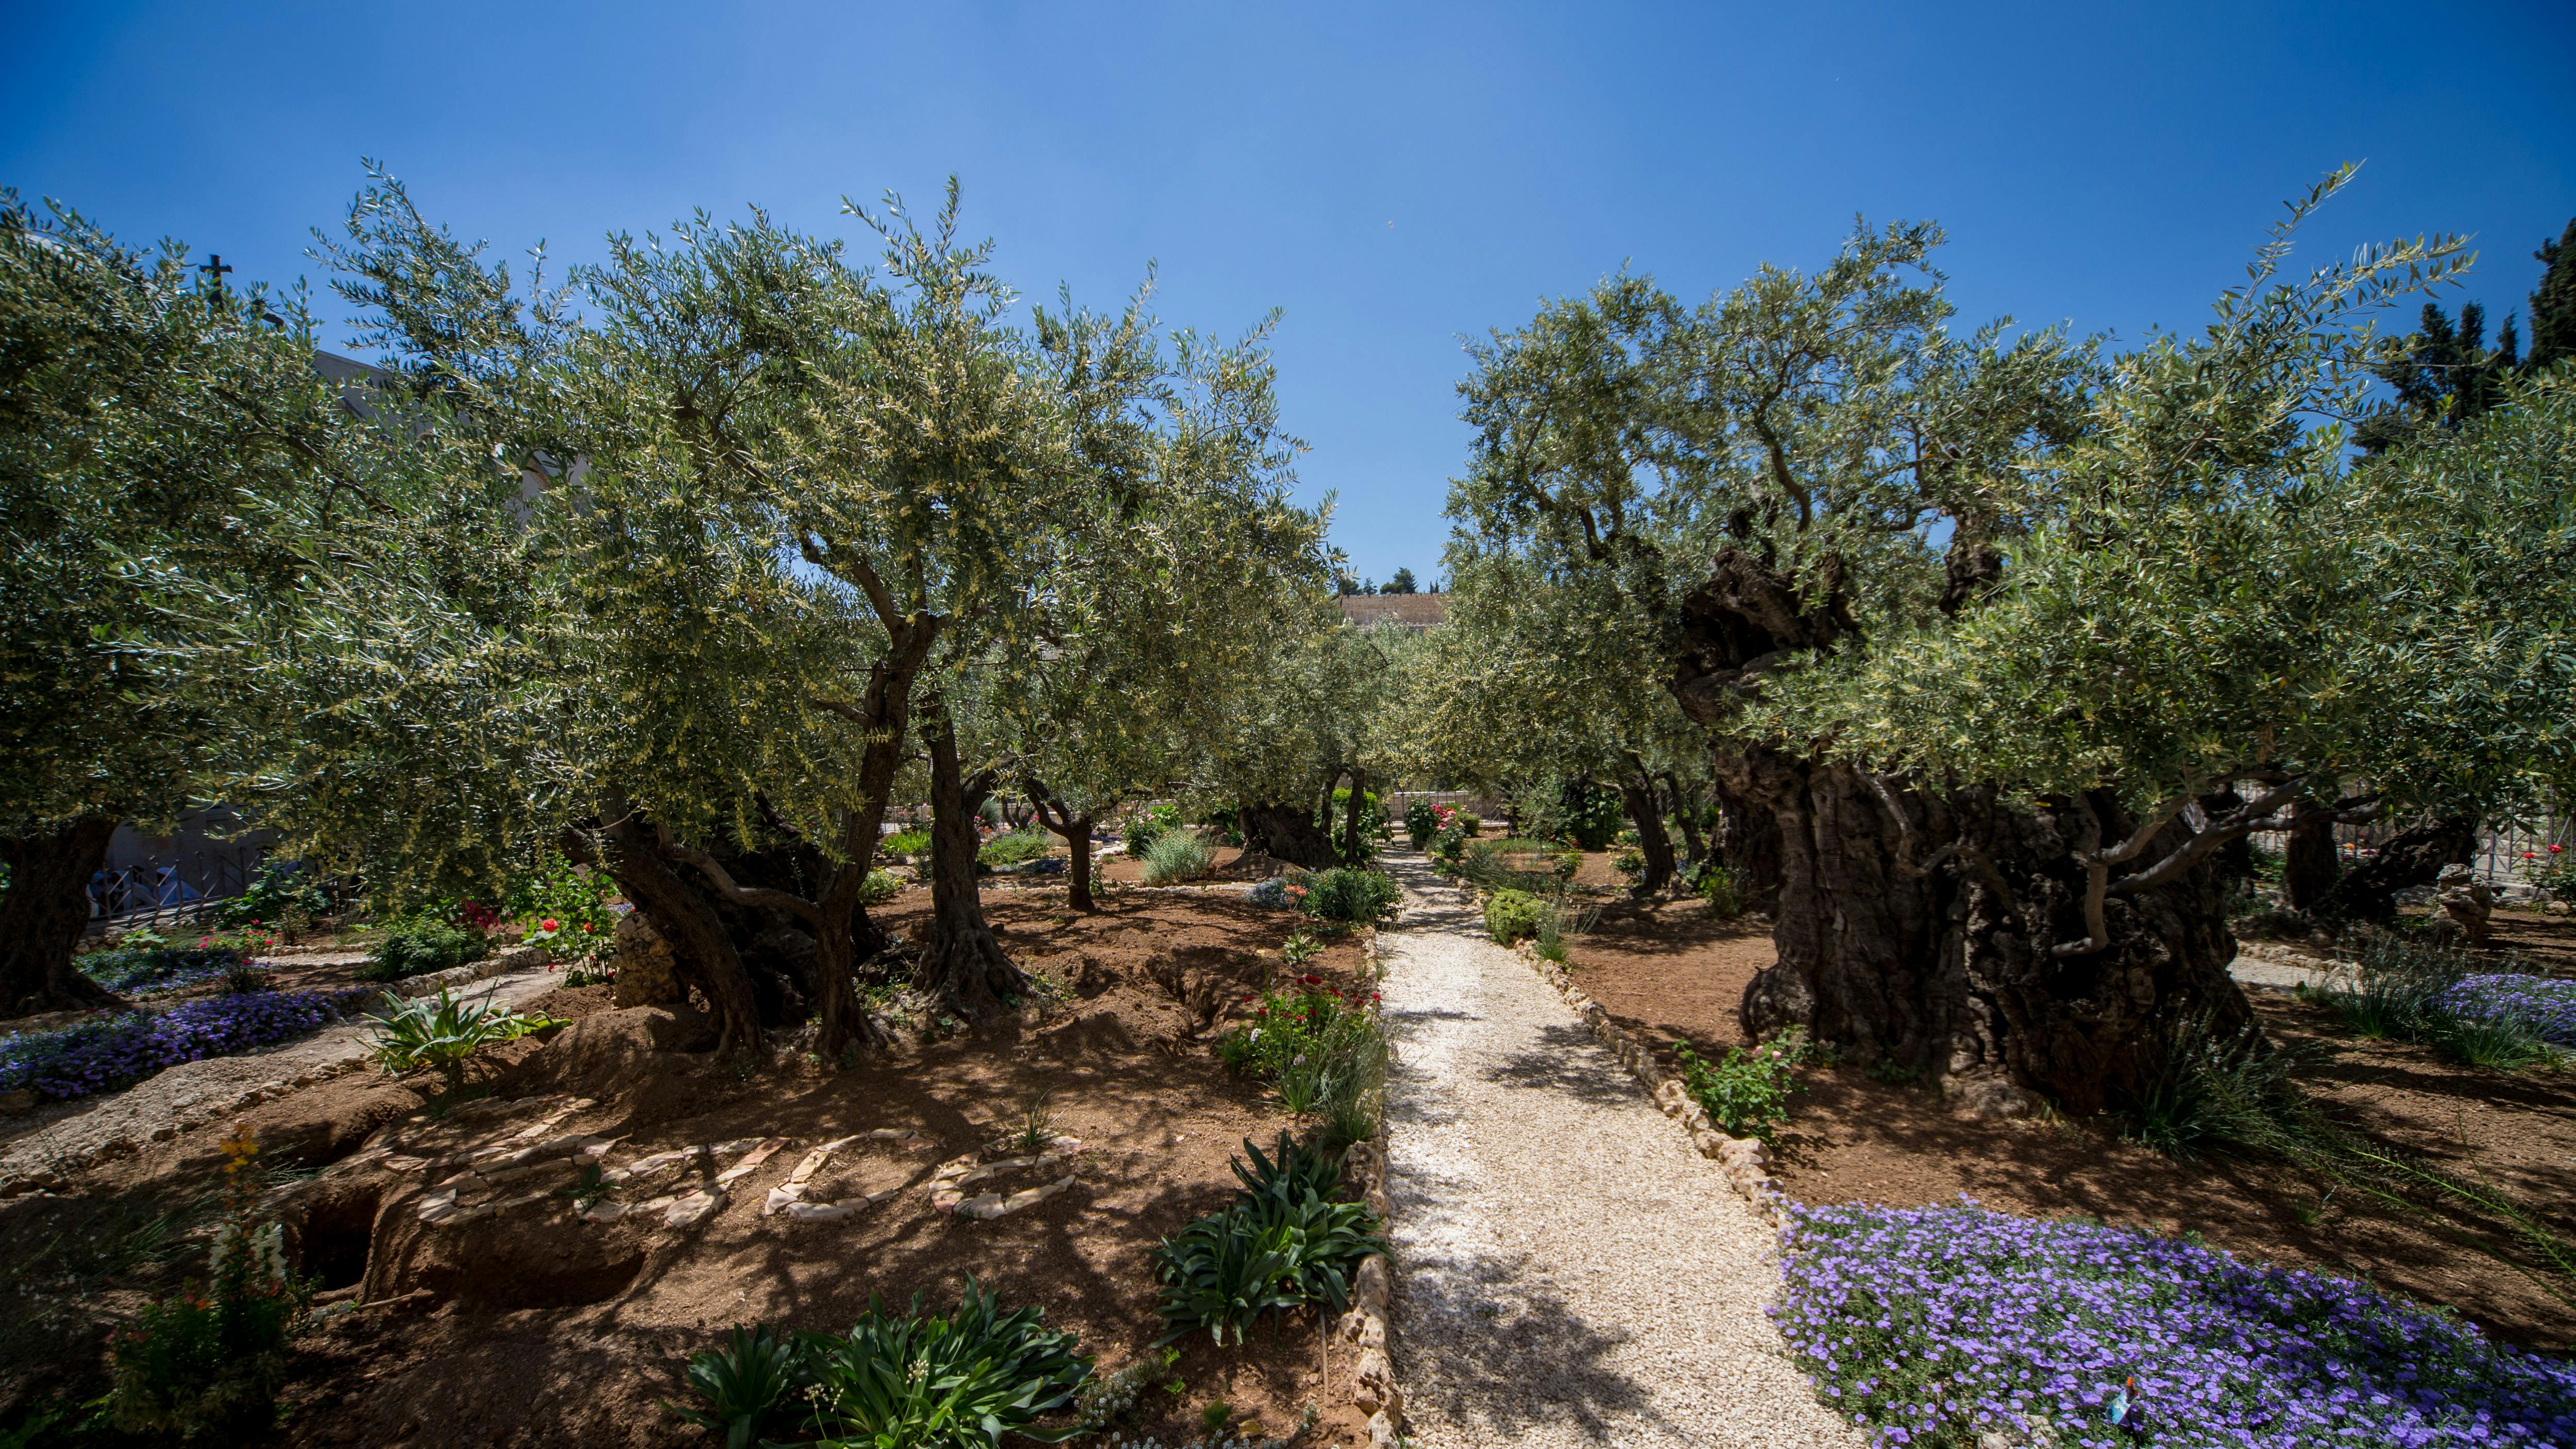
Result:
[
  {"x": 43, "y": 912},
  {"x": 2309, "y": 868},
  {"x": 703, "y": 954},
  {"x": 1286, "y": 832},
  {"x": 962, "y": 962},
  {"x": 1076, "y": 832},
  {"x": 1645, "y": 811},
  {"x": 2414, "y": 857},
  {"x": 1355, "y": 849},
  {"x": 1944, "y": 929}
]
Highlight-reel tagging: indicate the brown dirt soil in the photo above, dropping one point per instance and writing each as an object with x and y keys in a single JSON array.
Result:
[
  {"x": 1671, "y": 973},
  {"x": 529, "y": 1327}
]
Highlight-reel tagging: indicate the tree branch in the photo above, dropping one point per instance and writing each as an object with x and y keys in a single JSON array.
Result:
[{"x": 759, "y": 897}]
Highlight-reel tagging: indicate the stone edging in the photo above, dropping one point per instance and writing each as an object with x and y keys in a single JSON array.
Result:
[
  {"x": 1365, "y": 1326},
  {"x": 1746, "y": 1160}
]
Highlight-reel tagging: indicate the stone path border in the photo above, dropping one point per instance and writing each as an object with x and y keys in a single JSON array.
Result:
[{"x": 1365, "y": 1325}]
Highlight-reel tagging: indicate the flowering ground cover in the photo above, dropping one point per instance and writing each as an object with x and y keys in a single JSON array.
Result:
[
  {"x": 2549, "y": 1005},
  {"x": 112, "y": 1052},
  {"x": 1936, "y": 1325}
]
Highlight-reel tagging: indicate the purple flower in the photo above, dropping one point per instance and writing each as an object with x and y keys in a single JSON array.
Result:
[
  {"x": 112, "y": 1052},
  {"x": 1943, "y": 1323}
]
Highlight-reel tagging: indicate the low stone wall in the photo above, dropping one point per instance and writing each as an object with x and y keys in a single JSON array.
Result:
[{"x": 1366, "y": 1325}]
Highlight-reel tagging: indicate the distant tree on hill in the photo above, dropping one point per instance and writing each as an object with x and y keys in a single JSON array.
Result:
[
  {"x": 2553, "y": 306},
  {"x": 2445, "y": 375},
  {"x": 1402, "y": 583}
]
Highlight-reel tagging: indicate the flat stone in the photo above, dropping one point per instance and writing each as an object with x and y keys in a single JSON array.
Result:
[
  {"x": 751, "y": 1162},
  {"x": 694, "y": 1209},
  {"x": 603, "y": 1211},
  {"x": 817, "y": 1212}
]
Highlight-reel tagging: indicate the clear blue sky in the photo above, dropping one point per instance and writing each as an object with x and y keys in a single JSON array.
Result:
[{"x": 1393, "y": 177}]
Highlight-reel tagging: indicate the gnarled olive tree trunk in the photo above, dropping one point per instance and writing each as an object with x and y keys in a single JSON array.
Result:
[
  {"x": 1943, "y": 928},
  {"x": 962, "y": 962},
  {"x": 43, "y": 911},
  {"x": 1286, "y": 832},
  {"x": 2413, "y": 857},
  {"x": 1646, "y": 812}
]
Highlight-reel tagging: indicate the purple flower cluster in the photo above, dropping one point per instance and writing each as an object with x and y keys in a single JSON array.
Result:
[
  {"x": 112, "y": 1052},
  {"x": 1938, "y": 1325},
  {"x": 2549, "y": 1005}
]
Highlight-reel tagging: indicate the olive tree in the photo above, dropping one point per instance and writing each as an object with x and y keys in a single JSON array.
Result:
[
  {"x": 1770, "y": 469},
  {"x": 149, "y": 418}
]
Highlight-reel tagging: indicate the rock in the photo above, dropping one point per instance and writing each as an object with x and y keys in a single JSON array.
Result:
[
  {"x": 644, "y": 974},
  {"x": 2467, "y": 906},
  {"x": 1986, "y": 1096},
  {"x": 694, "y": 1209},
  {"x": 1369, "y": 1286},
  {"x": 1384, "y": 1432}
]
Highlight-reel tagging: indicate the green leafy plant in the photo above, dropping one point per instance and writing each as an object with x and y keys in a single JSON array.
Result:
[
  {"x": 442, "y": 1034},
  {"x": 1724, "y": 893},
  {"x": 207, "y": 1362},
  {"x": 1035, "y": 1130},
  {"x": 588, "y": 1190},
  {"x": 880, "y": 887},
  {"x": 1015, "y": 847},
  {"x": 1282, "y": 1243},
  {"x": 1300, "y": 948},
  {"x": 1629, "y": 861},
  {"x": 563, "y": 905},
  {"x": 942, "y": 1382},
  {"x": 1351, "y": 896},
  {"x": 1512, "y": 916},
  {"x": 1747, "y": 1092},
  {"x": 1147, "y": 826},
  {"x": 280, "y": 887},
  {"x": 1323, "y": 1053},
  {"x": 1420, "y": 824},
  {"x": 914, "y": 841},
  {"x": 1176, "y": 855},
  {"x": 1559, "y": 919},
  {"x": 749, "y": 1386},
  {"x": 417, "y": 946}
]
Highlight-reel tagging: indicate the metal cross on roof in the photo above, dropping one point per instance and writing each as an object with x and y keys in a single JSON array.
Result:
[{"x": 214, "y": 267}]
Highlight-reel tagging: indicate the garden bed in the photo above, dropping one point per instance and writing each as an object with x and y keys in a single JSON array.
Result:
[
  {"x": 507, "y": 1321},
  {"x": 1670, "y": 973}
]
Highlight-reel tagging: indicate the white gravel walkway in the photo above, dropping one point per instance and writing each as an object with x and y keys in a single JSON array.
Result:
[{"x": 1570, "y": 1271}]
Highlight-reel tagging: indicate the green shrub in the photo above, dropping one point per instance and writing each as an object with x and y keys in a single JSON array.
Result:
[
  {"x": 880, "y": 887},
  {"x": 571, "y": 896},
  {"x": 1017, "y": 847},
  {"x": 1747, "y": 1093},
  {"x": 1283, "y": 1243},
  {"x": 897, "y": 1383},
  {"x": 419, "y": 945},
  {"x": 1723, "y": 892},
  {"x": 1630, "y": 861},
  {"x": 749, "y": 1385},
  {"x": 1420, "y": 824},
  {"x": 139, "y": 967},
  {"x": 1468, "y": 825},
  {"x": 207, "y": 1365},
  {"x": 1513, "y": 916},
  {"x": 1350, "y": 895},
  {"x": 278, "y": 889},
  {"x": 943, "y": 1383},
  {"x": 1324, "y": 1054},
  {"x": 1147, "y": 826},
  {"x": 1176, "y": 855},
  {"x": 910, "y": 841},
  {"x": 442, "y": 1033},
  {"x": 2402, "y": 990},
  {"x": 1560, "y": 919}
]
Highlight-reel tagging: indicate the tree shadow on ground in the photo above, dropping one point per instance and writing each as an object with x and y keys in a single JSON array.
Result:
[
  {"x": 1567, "y": 1061},
  {"x": 1530, "y": 1360}
]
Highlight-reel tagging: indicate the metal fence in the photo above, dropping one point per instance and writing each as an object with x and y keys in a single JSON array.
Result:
[
  {"x": 2498, "y": 860},
  {"x": 178, "y": 888}
]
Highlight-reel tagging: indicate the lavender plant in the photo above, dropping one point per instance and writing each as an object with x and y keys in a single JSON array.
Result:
[
  {"x": 1941, "y": 1325},
  {"x": 111, "y": 1052}
]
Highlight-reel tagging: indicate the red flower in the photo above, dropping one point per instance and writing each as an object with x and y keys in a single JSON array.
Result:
[
  {"x": 2531, "y": 854},
  {"x": 548, "y": 924},
  {"x": 1312, "y": 980},
  {"x": 2557, "y": 849}
]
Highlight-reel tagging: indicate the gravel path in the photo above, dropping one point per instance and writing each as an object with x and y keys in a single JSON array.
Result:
[
  {"x": 46, "y": 1145},
  {"x": 1571, "y": 1272}
]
